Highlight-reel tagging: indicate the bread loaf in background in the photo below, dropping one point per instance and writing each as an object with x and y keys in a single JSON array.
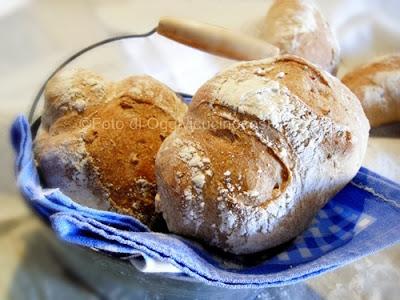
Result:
[
  {"x": 264, "y": 145},
  {"x": 297, "y": 27},
  {"x": 98, "y": 139},
  {"x": 377, "y": 85}
]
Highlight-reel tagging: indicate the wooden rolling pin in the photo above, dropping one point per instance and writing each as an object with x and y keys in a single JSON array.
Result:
[{"x": 215, "y": 40}]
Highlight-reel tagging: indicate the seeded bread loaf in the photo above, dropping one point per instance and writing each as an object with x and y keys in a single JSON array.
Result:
[
  {"x": 297, "y": 27},
  {"x": 377, "y": 85},
  {"x": 98, "y": 139},
  {"x": 264, "y": 145}
]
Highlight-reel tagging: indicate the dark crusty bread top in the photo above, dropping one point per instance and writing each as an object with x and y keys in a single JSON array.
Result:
[{"x": 103, "y": 136}]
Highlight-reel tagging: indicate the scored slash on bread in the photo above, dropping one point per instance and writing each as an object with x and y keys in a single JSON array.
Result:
[
  {"x": 264, "y": 145},
  {"x": 98, "y": 139}
]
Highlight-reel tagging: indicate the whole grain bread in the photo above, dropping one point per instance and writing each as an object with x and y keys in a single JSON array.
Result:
[
  {"x": 265, "y": 144},
  {"x": 98, "y": 139},
  {"x": 377, "y": 85},
  {"x": 297, "y": 27}
]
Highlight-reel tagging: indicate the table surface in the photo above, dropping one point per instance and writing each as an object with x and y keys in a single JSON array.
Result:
[{"x": 37, "y": 35}]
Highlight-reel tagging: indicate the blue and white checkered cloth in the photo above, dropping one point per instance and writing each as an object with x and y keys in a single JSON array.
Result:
[{"x": 363, "y": 218}]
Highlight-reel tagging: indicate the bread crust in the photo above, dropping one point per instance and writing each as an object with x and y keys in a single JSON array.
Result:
[
  {"x": 281, "y": 137},
  {"x": 297, "y": 27},
  {"x": 377, "y": 85},
  {"x": 98, "y": 139}
]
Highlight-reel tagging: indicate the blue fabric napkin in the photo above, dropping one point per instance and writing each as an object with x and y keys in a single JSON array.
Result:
[{"x": 363, "y": 218}]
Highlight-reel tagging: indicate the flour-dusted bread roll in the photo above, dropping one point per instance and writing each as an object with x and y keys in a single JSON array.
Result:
[
  {"x": 297, "y": 27},
  {"x": 264, "y": 145},
  {"x": 98, "y": 139},
  {"x": 377, "y": 85}
]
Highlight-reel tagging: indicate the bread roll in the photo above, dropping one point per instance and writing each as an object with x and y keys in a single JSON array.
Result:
[
  {"x": 98, "y": 139},
  {"x": 377, "y": 85},
  {"x": 297, "y": 27},
  {"x": 264, "y": 145}
]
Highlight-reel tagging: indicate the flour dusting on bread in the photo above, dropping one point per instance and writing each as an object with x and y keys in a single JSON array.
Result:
[
  {"x": 377, "y": 85},
  {"x": 278, "y": 146},
  {"x": 98, "y": 139}
]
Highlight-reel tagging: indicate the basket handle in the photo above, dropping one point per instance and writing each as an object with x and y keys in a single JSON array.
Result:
[{"x": 215, "y": 40}]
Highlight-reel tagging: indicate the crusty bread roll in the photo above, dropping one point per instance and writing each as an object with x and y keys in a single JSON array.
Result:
[
  {"x": 297, "y": 27},
  {"x": 264, "y": 145},
  {"x": 377, "y": 85},
  {"x": 98, "y": 139}
]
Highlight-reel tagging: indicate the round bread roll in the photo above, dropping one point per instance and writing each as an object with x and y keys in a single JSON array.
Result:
[
  {"x": 264, "y": 145},
  {"x": 377, "y": 85},
  {"x": 98, "y": 139},
  {"x": 297, "y": 27}
]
